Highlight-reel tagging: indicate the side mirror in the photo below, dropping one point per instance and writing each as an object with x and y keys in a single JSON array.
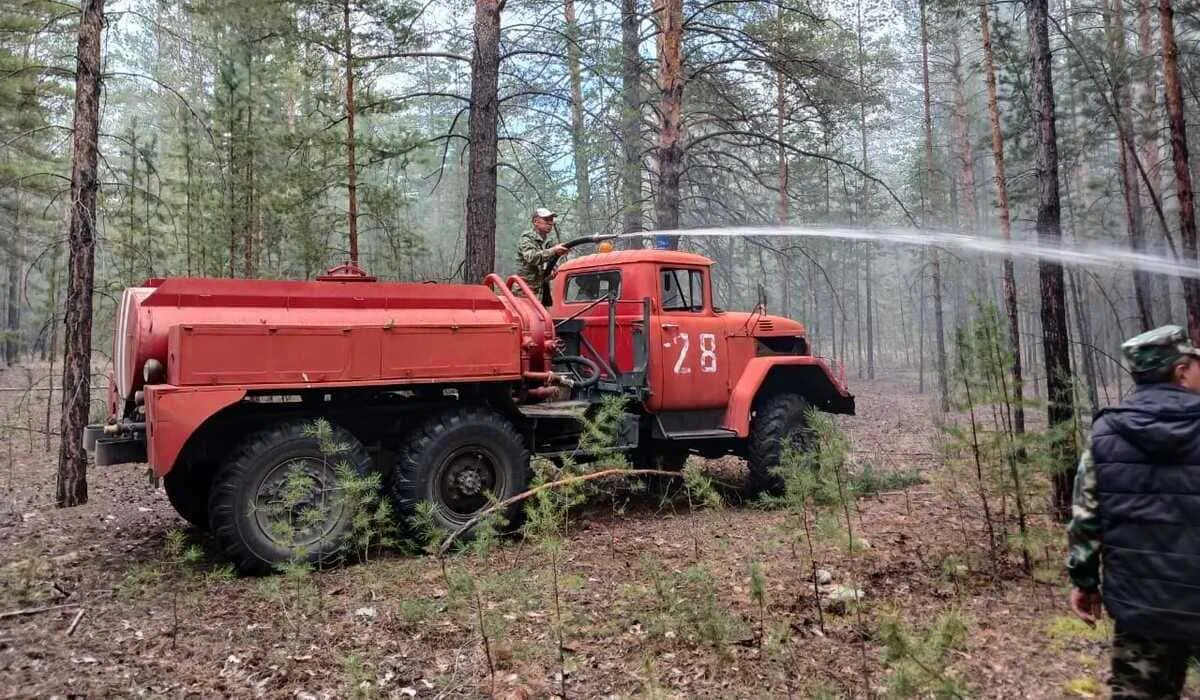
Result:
[{"x": 762, "y": 297}]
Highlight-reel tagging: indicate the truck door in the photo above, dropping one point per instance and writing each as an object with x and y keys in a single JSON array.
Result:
[{"x": 693, "y": 370}]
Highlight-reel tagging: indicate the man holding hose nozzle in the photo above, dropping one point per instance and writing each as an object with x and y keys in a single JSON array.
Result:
[
  {"x": 1137, "y": 510},
  {"x": 533, "y": 257}
]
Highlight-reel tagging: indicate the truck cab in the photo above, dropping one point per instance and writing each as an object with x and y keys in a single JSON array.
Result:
[{"x": 649, "y": 314}]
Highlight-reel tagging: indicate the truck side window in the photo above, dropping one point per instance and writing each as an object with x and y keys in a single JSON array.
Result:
[
  {"x": 592, "y": 286},
  {"x": 682, "y": 290}
]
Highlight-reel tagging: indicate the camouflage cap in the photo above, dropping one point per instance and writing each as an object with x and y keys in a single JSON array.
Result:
[{"x": 1157, "y": 349}]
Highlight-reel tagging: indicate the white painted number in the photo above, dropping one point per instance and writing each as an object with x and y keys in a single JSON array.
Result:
[
  {"x": 679, "y": 368},
  {"x": 708, "y": 353}
]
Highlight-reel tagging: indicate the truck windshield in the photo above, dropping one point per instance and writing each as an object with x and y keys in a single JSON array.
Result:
[{"x": 682, "y": 290}]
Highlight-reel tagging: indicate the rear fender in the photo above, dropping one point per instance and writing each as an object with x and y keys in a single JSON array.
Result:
[
  {"x": 173, "y": 414},
  {"x": 805, "y": 375}
]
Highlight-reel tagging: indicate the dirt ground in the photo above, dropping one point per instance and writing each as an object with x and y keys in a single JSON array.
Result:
[{"x": 654, "y": 600}]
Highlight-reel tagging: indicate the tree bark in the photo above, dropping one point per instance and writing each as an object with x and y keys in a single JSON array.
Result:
[
  {"x": 481, "y": 168},
  {"x": 76, "y": 382},
  {"x": 248, "y": 246},
  {"x": 583, "y": 183},
  {"x": 1115, "y": 19},
  {"x": 1086, "y": 356},
  {"x": 1179, "y": 153},
  {"x": 783, "y": 259},
  {"x": 1146, "y": 96},
  {"x": 631, "y": 120},
  {"x": 1055, "y": 339},
  {"x": 935, "y": 261},
  {"x": 12, "y": 338},
  {"x": 921, "y": 336},
  {"x": 1001, "y": 180},
  {"x": 351, "y": 165},
  {"x": 865, "y": 198},
  {"x": 968, "y": 211},
  {"x": 670, "y": 133}
]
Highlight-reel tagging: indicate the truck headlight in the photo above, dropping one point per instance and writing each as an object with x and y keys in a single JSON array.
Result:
[{"x": 153, "y": 372}]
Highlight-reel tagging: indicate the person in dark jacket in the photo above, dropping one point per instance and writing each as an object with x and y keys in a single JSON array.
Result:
[{"x": 1136, "y": 511}]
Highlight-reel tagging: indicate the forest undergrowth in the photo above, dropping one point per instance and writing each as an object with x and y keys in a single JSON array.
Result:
[{"x": 903, "y": 560}]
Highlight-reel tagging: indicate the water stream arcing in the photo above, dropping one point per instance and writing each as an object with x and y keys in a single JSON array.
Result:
[{"x": 1085, "y": 254}]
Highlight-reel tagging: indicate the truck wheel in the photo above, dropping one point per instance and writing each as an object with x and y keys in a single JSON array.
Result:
[
  {"x": 455, "y": 460},
  {"x": 276, "y": 500},
  {"x": 778, "y": 420},
  {"x": 188, "y": 486}
]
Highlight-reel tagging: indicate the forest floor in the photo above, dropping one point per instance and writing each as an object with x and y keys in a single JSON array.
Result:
[{"x": 654, "y": 600}]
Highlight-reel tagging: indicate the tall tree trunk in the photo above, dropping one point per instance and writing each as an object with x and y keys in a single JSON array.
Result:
[
  {"x": 780, "y": 117},
  {"x": 583, "y": 183},
  {"x": 670, "y": 132},
  {"x": 1146, "y": 96},
  {"x": 52, "y": 330},
  {"x": 858, "y": 319},
  {"x": 127, "y": 236},
  {"x": 935, "y": 261},
  {"x": 1001, "y": 180},
  {"x": 968, "y": 219},
  {"x": 1055, "y": 339},
  {"x": 865, "y": 198},
  {"x": 481, "y": 177},
  {"x": 631, "y": 120},
  {"x": 76, "y": 382},
  {"x": 1086, "y": 354},
  {"x": 352, "y": 166},
  {"x": 966, "y": 206},
  {"x": 1114, "y": 17},
  {"x": 921, "y": 336},
  {"x": 248, "y": 182},
  {"x": 12, "y": 337},
  {"x": 230, "y": 191},
  {"x": 870, "y": 317},
  {"x": 783, "y": 259},
  {"x": 1179, "y": 153}
]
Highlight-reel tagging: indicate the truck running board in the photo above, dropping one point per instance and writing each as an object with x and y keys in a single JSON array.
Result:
[
  {"x": 556, "y": 409},
  {"x": 714, "y": 434}
]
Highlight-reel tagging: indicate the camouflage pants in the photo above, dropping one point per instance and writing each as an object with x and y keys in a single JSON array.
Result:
[{"x": 1148, "y": 669}]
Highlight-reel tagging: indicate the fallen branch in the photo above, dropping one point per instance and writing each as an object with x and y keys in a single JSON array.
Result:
[
  {"x": 35, "y": 611},
  {"x": 550, "y": 485},
  {"x": 75, "y": 622}
]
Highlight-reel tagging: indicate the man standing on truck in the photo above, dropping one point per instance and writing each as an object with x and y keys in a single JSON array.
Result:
[
  {"x": 533, "y": 257},
  {"x": 1137, "y": 510}
]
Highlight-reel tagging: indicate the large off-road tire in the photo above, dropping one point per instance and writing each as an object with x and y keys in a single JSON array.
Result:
[
  {"x": 188, "y": 486},
  {"x": 454, "y": 460},
  {"x": 276, "y": 498},
  {"x": 778, "y": 420}
]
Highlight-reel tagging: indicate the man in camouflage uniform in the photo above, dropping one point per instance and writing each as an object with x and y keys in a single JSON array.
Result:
[
  {"x": 533, "y": 256},
  {"x": 1137, "y": 509}
]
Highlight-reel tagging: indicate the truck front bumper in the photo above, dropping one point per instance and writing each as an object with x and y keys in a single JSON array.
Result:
[{"x": 114, "y": 448}]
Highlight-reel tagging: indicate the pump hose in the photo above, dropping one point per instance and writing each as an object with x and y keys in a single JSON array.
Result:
[
  {"x": 591, "y": 378},
  {"x": 553, "y": 262}
]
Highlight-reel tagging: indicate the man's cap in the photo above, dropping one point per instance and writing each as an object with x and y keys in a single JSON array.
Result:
[
  {"x": 1158, "y": 349},
  {"x": 543, "y": 213}
]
